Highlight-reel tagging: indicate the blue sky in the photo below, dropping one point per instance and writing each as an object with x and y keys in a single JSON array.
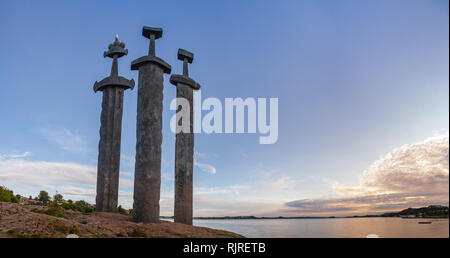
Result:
[{"x": 356, "y": 81}]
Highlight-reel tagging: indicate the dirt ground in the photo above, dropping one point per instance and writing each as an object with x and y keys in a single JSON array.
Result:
[{"x": 20, "y": 221}]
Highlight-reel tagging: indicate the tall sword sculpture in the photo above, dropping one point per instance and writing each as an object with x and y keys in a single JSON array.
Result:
[
  {"x": 147, "y": 176},
  {"x": 110, "y": 130},
  {"x": 184, "y": 148}
]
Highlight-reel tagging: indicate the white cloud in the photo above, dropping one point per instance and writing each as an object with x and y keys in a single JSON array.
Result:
[
  {"x": 420, "y": 168},
  {"x": 45, "y": 174},
  {"x": 78, "y": 191},
  {"x": 66, "y": 177},
  {"x": 64, "y": 139},
  {"x": 283, "y": 183},
  {"x": 233, "y": 189},
  {"x": 271, "y": 184},
  {"x": 411, "y": 175},
  {"x": 14, "y": 156},
  {"x": 205, "y": 167},
  {"x": 201, "y": 155}
]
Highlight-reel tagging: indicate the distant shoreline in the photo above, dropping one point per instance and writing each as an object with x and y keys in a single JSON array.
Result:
[
  {"x": 274, "y": 218},
  {"x": 430, "y": 212}
]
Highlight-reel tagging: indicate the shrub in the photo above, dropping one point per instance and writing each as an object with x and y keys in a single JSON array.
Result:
[
  {"x": 122, "y": 210},
  {"x": 80, "y": 206},
  {"x": 53, "y": 210},
  {"x": 84, "y": 206}
]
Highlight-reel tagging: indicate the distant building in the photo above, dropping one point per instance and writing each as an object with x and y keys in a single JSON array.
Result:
[{"x": 25, "y": 200}]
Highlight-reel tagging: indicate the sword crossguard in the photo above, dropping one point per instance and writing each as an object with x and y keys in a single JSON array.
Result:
[
  {"x": 152, "y": 34},
  {"x": 186, "y": 57}
]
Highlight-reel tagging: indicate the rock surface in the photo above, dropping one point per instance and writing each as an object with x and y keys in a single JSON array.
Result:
[{"x": 20, "y": 221}]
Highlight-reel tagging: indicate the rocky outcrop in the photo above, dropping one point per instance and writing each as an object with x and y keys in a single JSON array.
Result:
[{"x": 25, "y": 221}]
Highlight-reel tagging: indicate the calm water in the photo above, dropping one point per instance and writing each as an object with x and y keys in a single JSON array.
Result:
[{"x": 345, "y": 227}]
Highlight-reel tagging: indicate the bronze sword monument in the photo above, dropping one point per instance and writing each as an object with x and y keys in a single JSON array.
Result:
[
  {"x": 110, "y": 130},
  {"x": 184, "y": 148},
  {"x": 147, "y": 176}
]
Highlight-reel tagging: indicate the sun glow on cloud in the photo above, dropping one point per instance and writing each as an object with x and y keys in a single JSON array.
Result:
[{"x": 409, "y": 176}]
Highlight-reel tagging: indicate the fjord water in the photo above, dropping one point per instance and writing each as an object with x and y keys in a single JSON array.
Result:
[{"x": 331, "y": 228}]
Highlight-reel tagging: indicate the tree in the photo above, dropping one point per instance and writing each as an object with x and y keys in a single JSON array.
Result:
[
  {"x": 84, "y": 207},
  {"x": 5, "y": 194},
  {"x": 43, "y": 197},
  {"x": 58, "y": 198},
  {"x": 14, "y": 198}
]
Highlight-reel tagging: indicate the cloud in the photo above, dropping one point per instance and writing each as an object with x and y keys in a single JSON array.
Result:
[
  {"x": 14, "y": 156},
  {"x": 233, "y": 189},
  {"x": 420, "y": 168},
  {"x": 78, "y": 191},
  {"x": 201, "y": 155},
  {"x": 64, "y": 139},
  {"x": 409, "y": 176},
  {"x": 44, "y": 174},
  {"x": 283, "y": 183},
  {"x": 66, "y": 177},
  {"x": 272, "y": 184},
  {"x": 208, "y": 168},
  {"x": 205, "y": 167}
]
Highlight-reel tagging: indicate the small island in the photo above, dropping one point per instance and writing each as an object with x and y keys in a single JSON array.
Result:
[{"x": 431, "y": 212}]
